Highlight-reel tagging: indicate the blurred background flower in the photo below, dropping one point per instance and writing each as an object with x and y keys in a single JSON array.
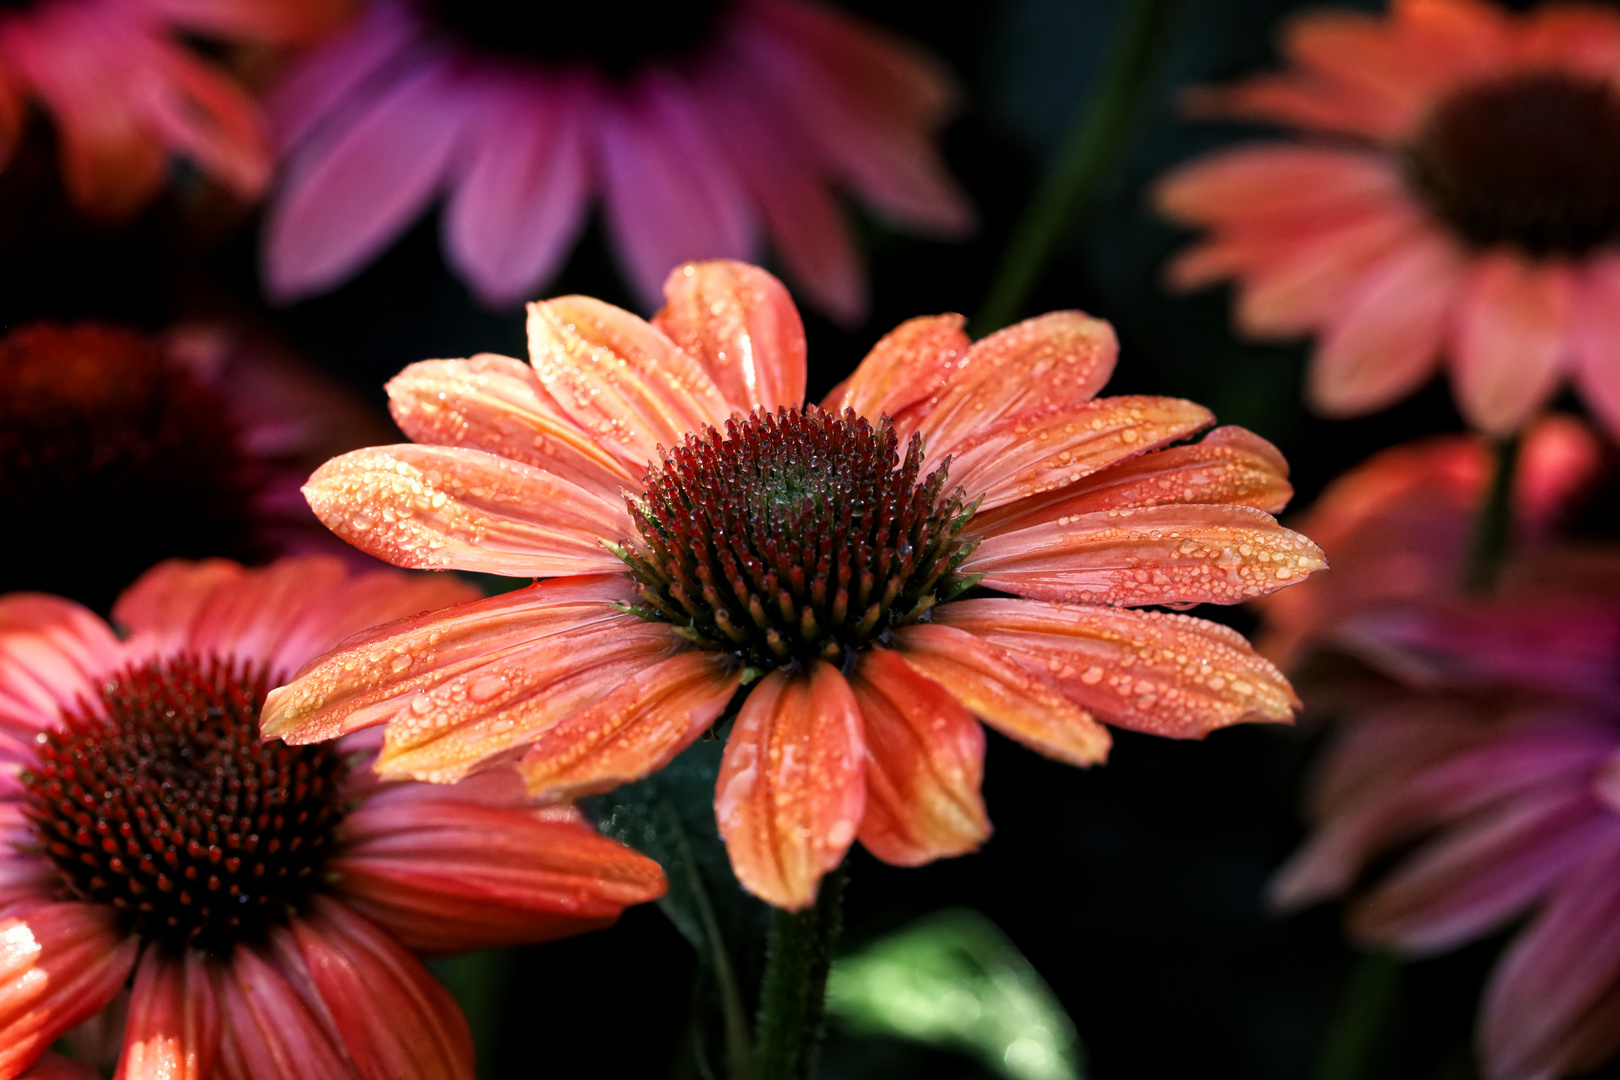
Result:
[
  {"x": 1459, "y": 199},
  {"x": 263, "y": 901},
  {"x": 702, "y": 127}
]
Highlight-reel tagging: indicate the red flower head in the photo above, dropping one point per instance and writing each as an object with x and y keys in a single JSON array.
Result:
[
  {"x": 264, "y": 897},
  {"x": 815, "y": 564},
  {"x": 1458, "y": 198},
  {"x": 125, "y": 93},
  {"x": 701, "y": 126}
]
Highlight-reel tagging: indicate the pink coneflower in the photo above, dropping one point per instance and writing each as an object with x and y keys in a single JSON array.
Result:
[
  {"x": 712, "y": 540},
  {"x": 125, "y": 93},
  {"x": 1458, "y": 199},
  {"x": 123, "y": 449},
  {"x": 701, "y": 126},
  {"x": 264, "y": 900},
  {"x": 1491, "y": 780}
]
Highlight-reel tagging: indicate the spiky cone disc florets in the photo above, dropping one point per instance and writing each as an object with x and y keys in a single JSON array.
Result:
[
  {"x": 163, "y": 803},
  {"x": 796, "y": 535}
]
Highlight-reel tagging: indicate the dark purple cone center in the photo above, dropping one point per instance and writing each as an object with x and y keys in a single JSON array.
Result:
[
  {"x": 164, "y": 804},
  {"x": 796, "y": 536},
  {"x": 1531, "y": 161},
  {"x": 616, "y": 37}
]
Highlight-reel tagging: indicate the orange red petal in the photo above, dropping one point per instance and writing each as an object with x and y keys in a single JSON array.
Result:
[
  {"x": 496, "y": 404},
  {"x": 1164, "y": 674},
  {"x": 1512, "y": 344},
  {"x": 621, "y": 380},
  {"x": 444, "y": 508},
  {"x": 792, "y": 787},
  {"x": 924, "y": 765},
  {"x": 1061, "y": 358},
  {"x": 740, "y": 324},
  {"x": 654, "y": 713},
  {"x": 990, "y": 682},
  {"x": 1040, "y": 450},
  {"x": 1172, "y": 554},
  {"x": 904, "y": 371}
]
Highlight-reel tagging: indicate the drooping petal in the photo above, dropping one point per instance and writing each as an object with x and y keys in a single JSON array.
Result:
[
  {"x": 807, "y": 227},
  {"x": 669, "y": 196},
  {"x": 740, "y": 324},
  {"x": 868, "y": 101},
  {"x": 655, "y": 712},
  {"x": 53, "y": 653},
  {"x": 1041, "y": 450},
  {"x": 447, "y": 508},
  {"x": 335, "y": 74},
  {"x": 1061, "y": 358},
  {"x": 394, "y": 1020},
  {"x": 1387, "y": 334},
  {"x": 60, "y": 963},
  {"x": 342, "y": 203},
  {"x": 1229, "y": 465},
  {"x": 1597, "y": 340},
  {"x": 1557, "y": 974},
  {"x": 271, "y": 1025},
  {"x": 904, "y": 370},
  {"x": 924, "y": 764},
  {"x": 1512, "y": 341},
  {"x": 991, "y": 683},
  {"x": 444, "y": 875},
  {"x": 1165, "y": 674},
  {"x": 621, "y": 380},
  {"x": 1481, "y": 872},
  {"x": 281, "y": 615},
  {"x": 519, "y": 202},
  {"x": 1171, "y": 554},
  {"x": 792, "y": 787},
  {"x": 173, "y": 1028}
]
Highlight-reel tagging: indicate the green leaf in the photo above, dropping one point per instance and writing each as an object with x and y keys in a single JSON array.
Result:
[{"x": 953, "y": 980}]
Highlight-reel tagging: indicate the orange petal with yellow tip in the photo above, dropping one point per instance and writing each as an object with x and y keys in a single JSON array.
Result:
[
  {"x": 924, "y": 764},
  {"x": 904, "y": 370},
  {"x": 998, "y": 690},
  {"x": 1170, "y": 675},
  {"x": 654, "y": 714},
  {"x": 1172, "y": 554},
  {"x": 740, "y": 324},
  {"x": 496, "y": 404},
  {"x": 1061, "y": 358},
  {"x": 374, "y": 675},
  {"x": 443, "y": 508},
  {"x": 792, "y": 785},
  {"x": 1042, "y": 449},
  {"x": 1230, "y": 465},
  {"x": 620, "y": 379}
]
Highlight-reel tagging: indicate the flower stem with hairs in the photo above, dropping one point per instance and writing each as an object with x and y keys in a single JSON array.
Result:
[
  {"x": 1075, "y": 177},
  {"x": 793, "y": 998}
]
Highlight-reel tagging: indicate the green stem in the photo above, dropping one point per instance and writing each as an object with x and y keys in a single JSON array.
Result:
[
  {"x": 1076, "y": 175},
  {"x": 1361, "y": 1020},
  {"x": 1493, "y": 526},
  {"x": 792, "y": 999},
  {"x": 478, "y": 981}
]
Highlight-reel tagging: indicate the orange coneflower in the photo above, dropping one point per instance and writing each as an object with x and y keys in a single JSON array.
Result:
[
  {"x": 262, "y": 900},
  {"x": 816, "y": 562},
  {"x": 1458, "y": 198}
]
